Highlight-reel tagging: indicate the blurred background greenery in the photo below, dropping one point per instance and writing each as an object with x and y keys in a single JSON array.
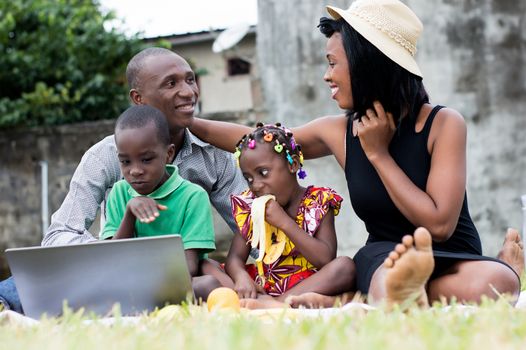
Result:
[{"x": 59, "y": 64}]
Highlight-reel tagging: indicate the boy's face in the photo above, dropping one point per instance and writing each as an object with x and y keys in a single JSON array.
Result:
[
  {"x": 168, "y": 83},
  {"x": 143, "y": 158}
]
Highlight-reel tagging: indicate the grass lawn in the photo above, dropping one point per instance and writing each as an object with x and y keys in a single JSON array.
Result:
[{"x": 493, "y": 325}]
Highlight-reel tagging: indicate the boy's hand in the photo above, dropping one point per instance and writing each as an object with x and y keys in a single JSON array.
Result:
[{"x": 144, "y": 209}]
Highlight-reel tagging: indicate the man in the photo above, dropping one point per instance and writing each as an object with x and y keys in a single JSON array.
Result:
[{"x": 162, "y": 79}]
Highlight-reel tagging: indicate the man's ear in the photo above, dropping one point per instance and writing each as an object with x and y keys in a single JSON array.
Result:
[
  {"x": 295, "y": 166},
  {"x": 170, "y": 155},
  {"x": 136, "y": 97}
]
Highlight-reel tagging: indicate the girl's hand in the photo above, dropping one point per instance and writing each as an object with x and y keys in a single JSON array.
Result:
[
  {"x": 245, "y": 287},
  {"x": 144, "y": 209},
  {"x": 275, "y": 214},
  {"x": 375, "y": 130}
]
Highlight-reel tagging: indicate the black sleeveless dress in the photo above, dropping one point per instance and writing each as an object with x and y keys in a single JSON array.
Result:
[{"x": 384, "y": 222}]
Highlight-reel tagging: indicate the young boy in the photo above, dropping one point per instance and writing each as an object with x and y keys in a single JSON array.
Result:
[{"x": 153, "y": 199}]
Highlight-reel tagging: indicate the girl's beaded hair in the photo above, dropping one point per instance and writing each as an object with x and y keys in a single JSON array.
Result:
[{"x": 282, "y": 139}]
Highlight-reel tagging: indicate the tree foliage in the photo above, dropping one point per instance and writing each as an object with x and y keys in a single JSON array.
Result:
[{"x": 58, "y": 63}]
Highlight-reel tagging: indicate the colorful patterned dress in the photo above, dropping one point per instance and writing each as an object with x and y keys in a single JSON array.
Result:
[{"x": 292, "y": 267}]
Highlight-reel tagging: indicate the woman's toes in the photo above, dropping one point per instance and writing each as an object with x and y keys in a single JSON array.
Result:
[
  {"x": 400, "y": 248},
  {"x": 394, "y": 255}
]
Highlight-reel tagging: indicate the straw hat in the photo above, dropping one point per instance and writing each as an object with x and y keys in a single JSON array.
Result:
[{"x": 389, "y": 25}]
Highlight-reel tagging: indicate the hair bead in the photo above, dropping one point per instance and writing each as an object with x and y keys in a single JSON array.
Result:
[{"x": 282, "y": 139}]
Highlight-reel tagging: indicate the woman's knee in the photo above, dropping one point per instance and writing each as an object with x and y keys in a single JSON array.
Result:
[
  {"x": 502, "y": 280},
  {"x": 489, "y": 279}
]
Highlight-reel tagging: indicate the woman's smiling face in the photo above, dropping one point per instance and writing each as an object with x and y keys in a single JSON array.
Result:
[{"x": 338, "y": 75}]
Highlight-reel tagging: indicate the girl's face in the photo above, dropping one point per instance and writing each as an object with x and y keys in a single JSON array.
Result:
[
  {"x": 338, "y": 74},
  {"x": 268, "y": 172}
]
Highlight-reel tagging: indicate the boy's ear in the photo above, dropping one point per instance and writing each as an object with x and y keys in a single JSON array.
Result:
[
  {"x": 170, "y": 154},
  {"x": 295, "y": 166},
  {"x": 136, "y": 97}
]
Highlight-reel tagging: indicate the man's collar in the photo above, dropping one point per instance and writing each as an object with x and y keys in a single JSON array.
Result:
[{"x": 189, "y": 140}]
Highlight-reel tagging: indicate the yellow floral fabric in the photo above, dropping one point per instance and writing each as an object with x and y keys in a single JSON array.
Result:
[{"x": 292, "y": 267}]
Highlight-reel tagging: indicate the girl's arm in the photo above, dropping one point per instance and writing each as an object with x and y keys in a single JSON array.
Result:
[
  {"x": 235, "y": 268},
  {"x": 438, "y": 207},
  {"x": 318, "y": 250}
]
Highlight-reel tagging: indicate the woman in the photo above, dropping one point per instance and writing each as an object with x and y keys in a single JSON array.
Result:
[{"x": 404, "y": 161}]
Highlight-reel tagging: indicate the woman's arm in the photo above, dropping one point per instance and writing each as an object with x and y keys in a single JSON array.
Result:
[
  {"x": 223, "y": 135},
  {"x": 320, "y": 137},
  {"x": 438, "y": 207}
]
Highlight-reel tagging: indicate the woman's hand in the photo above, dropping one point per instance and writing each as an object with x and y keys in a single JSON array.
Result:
[
  {"x": 375, "y": 130},
  {"x": 145, "y": 209}
]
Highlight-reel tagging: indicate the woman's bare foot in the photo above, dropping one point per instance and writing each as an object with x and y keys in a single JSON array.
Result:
[
  {"x": 408, "y": 268},
  {"x": 263, "y": 303},
  {"x": 512, "y": 252}
]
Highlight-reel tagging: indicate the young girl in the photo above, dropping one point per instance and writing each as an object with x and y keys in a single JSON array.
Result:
[{"x": 299, "y": 254}]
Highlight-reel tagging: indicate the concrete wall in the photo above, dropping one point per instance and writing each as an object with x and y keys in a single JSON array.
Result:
[
  {"x": 472, "y": 54},
  {"x": 20, "y": 177}
]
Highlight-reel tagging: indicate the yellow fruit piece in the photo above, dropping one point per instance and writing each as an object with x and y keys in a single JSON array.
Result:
[
  {"x": 274, "y": 252},
  {"x": 168, "y": 312},
  {"x": 223, "y": 298}
]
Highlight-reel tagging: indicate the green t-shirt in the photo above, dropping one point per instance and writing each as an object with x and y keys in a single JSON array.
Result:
[{"x": 188, "y": 212}]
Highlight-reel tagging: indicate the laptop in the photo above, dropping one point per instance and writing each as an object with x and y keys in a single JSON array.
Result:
[{"x": 139, "y": 274}]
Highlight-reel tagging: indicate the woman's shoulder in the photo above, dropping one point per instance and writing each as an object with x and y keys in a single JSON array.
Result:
[
  {"x": 448, "y": 127},
  {"x": 446, "y": 120},
  {"x": 443, "y": 115}
]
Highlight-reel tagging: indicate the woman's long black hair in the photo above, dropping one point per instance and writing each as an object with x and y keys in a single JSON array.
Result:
[{"x": 375, "y": 77}]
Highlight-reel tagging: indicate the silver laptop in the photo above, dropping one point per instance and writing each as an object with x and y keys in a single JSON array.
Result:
[{"x": 138, "y": 273}]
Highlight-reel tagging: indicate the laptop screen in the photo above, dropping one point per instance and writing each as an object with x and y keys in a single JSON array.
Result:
[{"x": 139, "y": 274}]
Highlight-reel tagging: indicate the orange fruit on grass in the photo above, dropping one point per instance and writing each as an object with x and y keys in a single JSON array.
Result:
[{"x": 223, "y": 298}]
